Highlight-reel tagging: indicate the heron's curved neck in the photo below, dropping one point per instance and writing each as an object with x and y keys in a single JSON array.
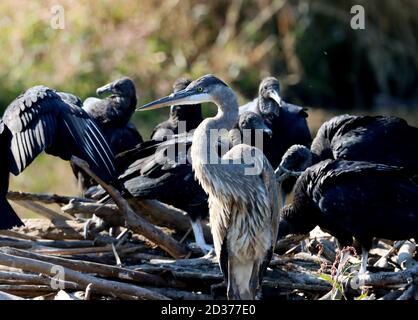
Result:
[{"x": 204, "y": 150}]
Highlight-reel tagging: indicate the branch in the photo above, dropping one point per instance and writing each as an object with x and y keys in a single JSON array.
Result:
[
  {"x": 135, "y": 222},
  {"x": 43, "y": 211},
  {"x": 100, "y": 285},
  {"x": 92, "y": 267},
  {"x": 44, "y": 198}
]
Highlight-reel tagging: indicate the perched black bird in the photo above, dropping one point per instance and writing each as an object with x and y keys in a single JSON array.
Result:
[
  {"x": 381, "y": 139},
  {"x": 112, "y": 114},
  {"x": 40, "y": 120},
  {"x": 287, "y": 122},
  {"x": 8, "y": 218},
  {"x": 70, "y": 98},
  {"x": 354, "y": 199},
  {"x": 250, "y": 127},
  {"x": 189, "y": 116},
  {"x": 163, "y": 172}
]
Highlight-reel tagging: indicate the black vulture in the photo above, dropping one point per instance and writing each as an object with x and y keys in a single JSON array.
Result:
[
  {"x": 382, "y": 139},
  {"x": 287, "y": 122},
  {"x": 354, "y": 199},
  {"x": 112, "y": 114},
  {"x": 250, "y": 127},
  {"x": 162, "y": 171},
  {"x": 379, "y": 139},
  {"x": 40, "y": 120},
  {"x": 8, "y": 217},
  {"x": 188, "y": 116}
]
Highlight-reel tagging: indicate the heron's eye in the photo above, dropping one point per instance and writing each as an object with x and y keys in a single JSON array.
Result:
[{"x": 199, "y": 89}]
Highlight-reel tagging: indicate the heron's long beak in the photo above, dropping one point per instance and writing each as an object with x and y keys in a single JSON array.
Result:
[
  {"x": 105, "y": 89},
  {"x": 275, "y": 96},
  {"x": 179, "y": 98}
]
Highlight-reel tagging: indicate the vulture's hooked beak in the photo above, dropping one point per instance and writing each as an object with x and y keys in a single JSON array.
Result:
[
  {"x": 272, "y": 94},
  {"x": 108, "y": 88}
]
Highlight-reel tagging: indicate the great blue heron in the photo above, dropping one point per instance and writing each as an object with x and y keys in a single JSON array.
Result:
[
  {"x": 40, "y": 120},
  {"x": 162, "y": 171},
  {"x": 188, "y": 115},
  {"x": 243, "y": 206},
  {"x": 354, "y": 199},
  {"x": 112, "y": 114}
]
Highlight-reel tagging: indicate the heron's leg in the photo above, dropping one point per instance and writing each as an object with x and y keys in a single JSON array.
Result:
[
  {"x": 364, "y": 256},
  {"x": 199, "y": 236}
]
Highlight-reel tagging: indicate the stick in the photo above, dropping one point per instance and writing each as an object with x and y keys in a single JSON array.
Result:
[
  {"x": 154, "y": 211},
  {"x": 8, "y": 296},
  {"x": 165, "y": 215},
  {"x": 44, "y": 198},
  {"x": 18, "y": 235},
  {"x": 289, "y": 241},
  {"x": 102, "y": 286},
  {"x": 181, "y": 294},
  {"x": 36, "y": 279},
  {"x": 135, "y": 222},
  {"x": 53, "y": 230},
  {"x": 43, "y": 211},
  {"x": 405, "y": 255},
  {"x": 45, "y": 244},
  {"x": 104, "y": 211},
  {"x": 91, "y": 267},
  {"x": 26, "y": 289}
]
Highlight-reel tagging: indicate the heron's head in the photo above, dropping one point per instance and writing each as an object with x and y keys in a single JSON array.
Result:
[
  {"x": 252, "y": 121},
  {"x": 121, "y": 87},
  {"x": 179, "y": 84},
  {"x": 205, "y": 89},
  {"x": 269, "y": 92}
]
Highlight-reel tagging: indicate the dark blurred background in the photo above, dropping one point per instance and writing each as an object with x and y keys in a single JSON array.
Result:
[{"x": 322, "y": 63}]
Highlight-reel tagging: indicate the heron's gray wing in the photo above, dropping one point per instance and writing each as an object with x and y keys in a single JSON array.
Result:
[
  {"x": 250, "y": 202},
  {"x": 31, "y": 118}
]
